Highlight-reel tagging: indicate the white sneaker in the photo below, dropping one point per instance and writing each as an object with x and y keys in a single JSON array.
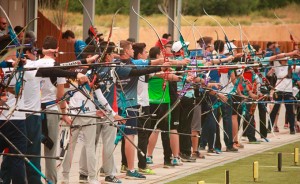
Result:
[
  {"x": 244, "y": 138},
  {"x": 94, "y": 181}
]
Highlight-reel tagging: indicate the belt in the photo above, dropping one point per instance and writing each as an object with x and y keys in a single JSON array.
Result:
[{"x": 44, "y": 105}]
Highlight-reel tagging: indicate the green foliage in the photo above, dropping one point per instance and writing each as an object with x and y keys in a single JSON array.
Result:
[
  {"x": 189, "y": 7},
  {"x": 219, "y": 7}
]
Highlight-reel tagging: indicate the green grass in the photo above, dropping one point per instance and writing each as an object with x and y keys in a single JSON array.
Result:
[{"x": 241, "y": 171}]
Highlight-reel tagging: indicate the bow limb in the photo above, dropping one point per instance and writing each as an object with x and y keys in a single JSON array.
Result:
[
  {"x": 92, "y": 28},
  {"x": 250, "y": 48},
  {"x": 193, "y": 29},
  {"x": 166, "y": 59},
  {"x": 87, "y": 12},
  {"x": 226, "y": 38},
  {"x": 196, "y": 61},
  {"x": 184, "y": 46},
  {"x": 109, "y": 35},
  {"x": 242, "y": 33},
  {"x": 291, "y": 35},
  {"x": 156, "y": 33},
  {"x": 62, "y": 22}
]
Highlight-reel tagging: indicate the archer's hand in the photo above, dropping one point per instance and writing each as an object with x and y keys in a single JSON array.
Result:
[
  {"x": 295, "y": 53},
  {"x": 208, "y": 63},
  {"x": 238, "y": 55},
  {"x": 230, "y": 58},
  {"x": 166, "y": 66},
  {"x": 100, "y": 113},
  {"x": 216, "y": 85},
  {"x": 82, "y": 78},
  {"x": 222, "y": 97},
  {"x": 67, "y": 119},
  {"x": 119, "y": 118},
  {"x": 92, "y": 59},
  {"x": 190, "y": 78},
  {"x": 186, "y": 61}
]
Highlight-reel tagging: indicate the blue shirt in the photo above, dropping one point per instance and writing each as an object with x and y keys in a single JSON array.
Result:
[
  {"x": 79, "y": 46},
  {"x": 128, "y": 85},
  {"x": 106, "y": 83},
  {"x": 180, "y": 85}
]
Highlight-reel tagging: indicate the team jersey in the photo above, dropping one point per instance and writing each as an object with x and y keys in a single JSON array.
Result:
[{"x": 79, "y": 46}]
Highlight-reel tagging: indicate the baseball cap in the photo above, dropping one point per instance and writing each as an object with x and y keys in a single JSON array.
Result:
[{"x": 177, "y": 46}]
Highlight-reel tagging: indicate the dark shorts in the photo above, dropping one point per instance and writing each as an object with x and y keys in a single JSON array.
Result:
[
  {"x": 160, "y": 110},
  {"x": 236, "y": 104},
  {"x": 130, "y": 113}
]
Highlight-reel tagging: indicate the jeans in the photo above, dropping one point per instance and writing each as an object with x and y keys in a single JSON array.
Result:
[
  {"x": 34, "y": 131},
  {"x": 226, "y": 109},
  {"x": 185, "y": 142},
  {"x": 143, "y": 136},
  {"x": 13, "y": 168},
  {"x": 209, "y": 127},
  {"x": 289, "y": 108}
]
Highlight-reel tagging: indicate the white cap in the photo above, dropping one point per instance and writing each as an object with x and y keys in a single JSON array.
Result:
[
  {"x": 177, "y": 46},
  {"x": 226, "y": 50}
]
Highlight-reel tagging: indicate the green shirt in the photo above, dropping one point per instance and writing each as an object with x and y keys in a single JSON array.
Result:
[{"x": 156, "y": 93}]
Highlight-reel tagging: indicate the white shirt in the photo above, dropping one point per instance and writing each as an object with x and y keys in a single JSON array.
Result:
[
  {"x": 142, "y": 92},
  {"x": 11, "y": 98},
  {"x": 48, "y": 90},
  {"x": 32, "y": 88},
  {"x": 80, "y": 103},
  {"x": 283, "y": 84},
  {"x": 225, "y": 81}
]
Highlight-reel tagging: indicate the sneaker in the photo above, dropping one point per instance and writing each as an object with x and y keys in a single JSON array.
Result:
[
  {"x": 197, "y": 155},
  {"x": 218, "y": 150},
  {"x": 147, "y": 171},
  {"x": 292, "y": 132},
  {"x": 94, "y": 181},
  {"x": 176, "y": 161},
  {"x": 168, "y": 165},
  {"x": 232, "y": 149},
  {"x": 123, "y": 169},
  {"x": 286, "y": 126},
  {"x": 244, "y": 138},
  {"x": 276, "y": 129},
  {"x": 83, "y": 178},
  {"x": 187, "y": 158},
  {"x": 149, "y": 160},
  {"x": 212, "y": 152},
  {"x": 134, "y": 175},
  {"x": 112, "y": 179}
]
